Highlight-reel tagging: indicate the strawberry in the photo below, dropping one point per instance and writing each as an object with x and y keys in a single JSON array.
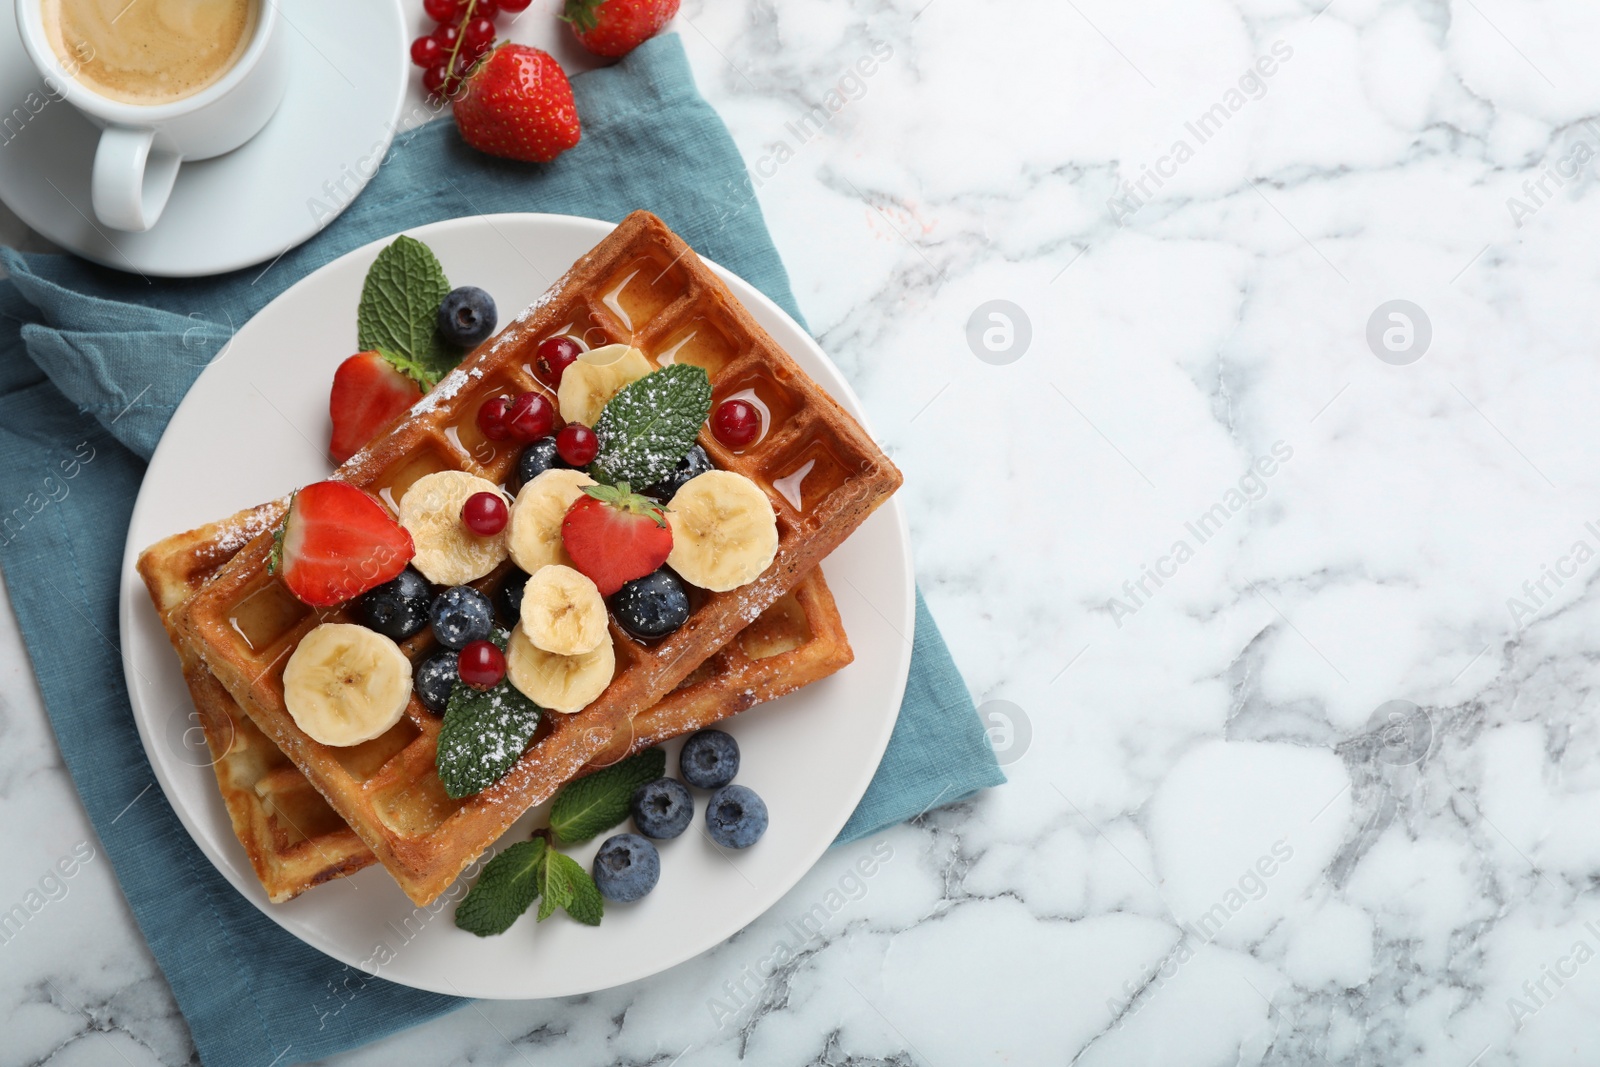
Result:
[
  {"x": 614, "y": 535},
  {"x": 368, "y": 394},
  {"x": 617, "y": 27},
  {"x": 337, "y": 542},
  {"x": 517, "y": 103}
]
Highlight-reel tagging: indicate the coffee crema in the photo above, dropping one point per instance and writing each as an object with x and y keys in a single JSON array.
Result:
[{"x": 149, "y": 51}]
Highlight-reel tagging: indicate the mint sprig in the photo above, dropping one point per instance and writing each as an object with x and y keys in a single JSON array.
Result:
[
  {"x": 650, "y": 425},
  {"x": 508, "y": 885},
  {"x": 399, "y": 311},
  {"x": 534, "y": 870},
  {"x": 597, "y": 802},
  {"x": 483, "y": 734}
]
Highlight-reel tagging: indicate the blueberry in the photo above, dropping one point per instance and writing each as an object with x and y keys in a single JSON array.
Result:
[
  {"x": 652, "y": 606},
  {"x": 436, "y": 677},
  {"x": 537, "y": 458},
  {"x": 736, "y": 817},
  {"x": 396, "y": 609},
  {"x": 460, "y": 616},
  {"x": 467, "y": 316},
  {"x": 662, "y": 808},
  {"x": 508, "y": 598},
  {"x": 695, "y": 463},
  {"x": 626, "y": 868},
  {"x": 710, "y": 759}
]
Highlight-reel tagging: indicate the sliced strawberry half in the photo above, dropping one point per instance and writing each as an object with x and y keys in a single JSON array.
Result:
[
  {"x": 368, "y": 394},
  {"x": 614, "y": 535},
  {"x": 337, "y": 542}
]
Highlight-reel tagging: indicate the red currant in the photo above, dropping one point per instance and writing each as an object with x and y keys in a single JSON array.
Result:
[
  {"x": 552, "y": 358},
  {"x": 443, "y": 11},
  {"x": 492, "y": 415},
  {"x": 446, "y": 35},
  {"x": 576, "y": 444},
  {"x": 485, "y": 514},
  {"x": 433, "y": 79},
  {"x": 531, "y": 416},
  {"x": 513, "y": 6},
  {"x": 478, "y": 35},
  {"x": 425, "y": 52},
  {"x": 481, "y": 665},
  {"x": 737, "y": 423},
  {"x": 487, "y": 8}
]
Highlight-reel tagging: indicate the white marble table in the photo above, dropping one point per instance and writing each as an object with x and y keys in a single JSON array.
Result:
[{"x": 1202, "y": 531}]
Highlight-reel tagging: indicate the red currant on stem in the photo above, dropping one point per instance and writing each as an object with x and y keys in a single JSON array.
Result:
[
  {"x": 553, "y": 356},
  {"x": 492, "y": 415},
  {"x": 477, "y": 35},
  {"x": 447, "y": 36},
  {"x": 485, "y": 514},
  {"x": 481, "y": 665},
  {"x": 576, "y": 444},
  {"x": 530, "y": 417},
  {"x": 737, "y": 423},
  {"x": 426, "y": 52},
  {"x": 442, "y": 11},
  {"x": 513, "y": 6},
  {"x": 433, "y": 79}
]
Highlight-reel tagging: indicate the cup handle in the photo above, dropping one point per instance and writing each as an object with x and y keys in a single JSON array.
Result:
[{"x": 132, "y": 179}]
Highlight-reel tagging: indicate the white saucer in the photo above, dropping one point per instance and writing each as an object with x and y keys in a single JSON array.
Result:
[{"x": 350, "y": 71}]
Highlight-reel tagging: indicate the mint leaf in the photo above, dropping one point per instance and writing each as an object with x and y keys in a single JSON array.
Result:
[
  {"x": 483, "y": 734},
  {"x": 508, "y": 884},
  {"x": 567, "y": 885},
  {"x": 399, "y": 310},
  {"x": 594, "y": 804},
  {"x": 556, "y": 889},
  {"x": 651, "y": 424},
  {"x": 586, "y": 905}
]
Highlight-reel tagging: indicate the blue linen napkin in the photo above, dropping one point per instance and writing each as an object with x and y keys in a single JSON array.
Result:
[{"x": 92, "y": 364}]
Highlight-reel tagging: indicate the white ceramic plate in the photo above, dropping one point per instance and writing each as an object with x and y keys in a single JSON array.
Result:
[
  {"x": 254, "y": 426},
  {"x": 349, "y": 73}
]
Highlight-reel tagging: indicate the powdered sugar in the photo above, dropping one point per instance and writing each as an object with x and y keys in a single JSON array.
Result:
[{"x": 233, "y": 534}]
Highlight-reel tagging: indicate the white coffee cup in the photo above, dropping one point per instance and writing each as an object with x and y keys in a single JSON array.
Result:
[{"x": 141, "y": 145}]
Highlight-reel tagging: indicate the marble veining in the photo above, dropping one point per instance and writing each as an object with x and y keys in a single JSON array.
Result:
[{"x": 1280, "y": 594}]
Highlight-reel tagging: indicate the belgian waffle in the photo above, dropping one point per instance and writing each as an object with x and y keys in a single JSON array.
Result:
[
  {"x": 296, "y": 841},
  {"x": 643, "y": 286}
]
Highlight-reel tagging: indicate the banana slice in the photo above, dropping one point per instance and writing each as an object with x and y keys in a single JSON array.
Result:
[
  {"x": 724, "y": 533},
  {"x": 594, "y": 379},
  {"x": 346, "y": 684},
  {"x": 605, "y": 355},
  {"x": 562, "y": 611},
  {"x": 534, "y": 532},
  {"x": 447, "y": 552},
  {"x": 559, "y": 683}
]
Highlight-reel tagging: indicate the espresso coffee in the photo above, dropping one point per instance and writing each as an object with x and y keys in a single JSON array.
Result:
[{"x": 149, "y": 51}]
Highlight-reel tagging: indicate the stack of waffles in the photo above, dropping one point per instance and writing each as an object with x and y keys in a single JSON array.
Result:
[{"x": 307, "y": 812}]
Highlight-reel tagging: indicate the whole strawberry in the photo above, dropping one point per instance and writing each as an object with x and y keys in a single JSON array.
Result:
[
  {"x": 518, "y": 104},
  {"x": 617, "y": 27}
]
